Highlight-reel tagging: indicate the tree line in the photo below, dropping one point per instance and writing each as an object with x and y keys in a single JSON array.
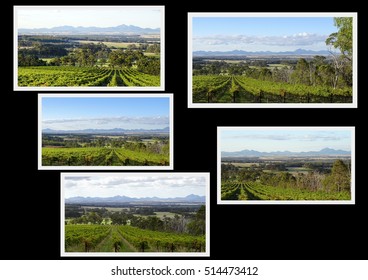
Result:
[
  {"x": 91, "y": 55},
  {"x": 158, "y": 145}
]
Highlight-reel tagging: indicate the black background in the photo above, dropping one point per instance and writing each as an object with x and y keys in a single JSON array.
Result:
[{"x": 30, "y": 199}]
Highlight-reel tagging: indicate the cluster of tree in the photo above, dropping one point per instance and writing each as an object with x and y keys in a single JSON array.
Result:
[
  {"x": 154, "y": 48},
  {"x": 30, "y": 60},
  {"x": 194, "y": 224},
  {"x": 44, "y": 50},
  {"x": 84, "y": 55},
  {"x": 335, "y": 71},
  {"x": 65, "y": 54},
  {"x": 336, "y": 180},
  {"x": 30, "y": 40},
  {"x": 149, "y": 65}
]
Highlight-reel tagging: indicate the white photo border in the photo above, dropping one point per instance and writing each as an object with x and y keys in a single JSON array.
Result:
[
  {"x": 283, "y": 202},
  {"x": 95, "y": 88},
  {"x": 206, "y": 175},
  {"x": 354, "y": 103},
  {"x": 170, "y": 96}
]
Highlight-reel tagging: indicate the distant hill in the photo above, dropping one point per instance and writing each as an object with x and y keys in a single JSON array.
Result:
[
  {"x": 106, "y": 131},
  {"x": 80, "y": 30},
  {"x": 252, "y": 153},
  {"x": 125, "y": 199},
  {"x": 244, "y": 53}
]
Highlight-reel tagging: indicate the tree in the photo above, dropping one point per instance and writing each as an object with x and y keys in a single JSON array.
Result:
[
  {"x": 148, "y": 65},
  {"x": 339, "y": 180},
  {"x": 154, "y": 48},
  {"x": 29, "y": 60},
  {"x": 94, "y": 218},
  {"x": 301, "y": 75},
  {"x": 343, "y": 38},
  {"x": 198, "y": 225},
  {"x": 117, "y": 218}
]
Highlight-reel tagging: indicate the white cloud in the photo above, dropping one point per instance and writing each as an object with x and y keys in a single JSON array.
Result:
[
  {"x": 287, "y": 137},
  {"x": 107, "y": 123},
  {"x": 246, "y": 42},
  {"x": 134, "y": 185}
]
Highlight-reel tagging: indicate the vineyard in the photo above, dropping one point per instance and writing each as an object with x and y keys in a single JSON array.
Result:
[
  {"x": 107, "y": 238},
  {"x": 240, "y": 89},
  {"x": 70, "y": 76},
  {"x": 257, "y": 191},
  {"x": 96, "y": 156}
]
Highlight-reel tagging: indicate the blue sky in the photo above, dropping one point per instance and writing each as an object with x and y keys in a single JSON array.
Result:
[
  {"x": 269, "y": 140},
  {"x": 64, "y": 113},
  {"x": 36, "y": 17},
  {"x": 261, "y": 33},
  {"x": 134, "y": 185}
]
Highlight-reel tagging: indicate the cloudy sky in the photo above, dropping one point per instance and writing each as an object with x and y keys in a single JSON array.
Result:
[
  {"x": 134, "y": 185},
  {"x": 261, "y": 33},
  {"x": 48, "y": 17},
  {"x": 77, "y": 113},
  {"x": 295, "y": 140}
]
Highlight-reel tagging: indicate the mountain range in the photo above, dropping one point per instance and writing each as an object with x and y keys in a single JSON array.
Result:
[
  {"x": 192, "y": 198},
  {"x": 244, "y": 53},
  {"x": 80, "y": 30},
  {"x": 106, "y": 131},
  {"x": 253, "y": 153}
]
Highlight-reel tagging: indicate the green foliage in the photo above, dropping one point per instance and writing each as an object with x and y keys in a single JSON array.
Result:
[
  {"x": 154, "y": 48},
  {"x": 257, "y": 191},
  {"x": 343, "y": 38},
  {"x": 198, "y": 225},
  {"x": 220, "y": 89},
  {"x": 101, "y": 157},
  {"x": 149, "y": 65},
  {"x": 339, "y": 180},
  {"x": 86, "y": 237},
  {"x": 71, "y": 76},
  {"x": 29, "y": 60},
  {"x": 156, "y": 241}
]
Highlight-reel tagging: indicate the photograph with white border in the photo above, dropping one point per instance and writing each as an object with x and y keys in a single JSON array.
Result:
[
  {"x": 89, "y": 48},
  {"x": 272, "y": 60},
  {"x": 135, "y": 214},
  {"x": 105, "y": 131},
  {"x": 286, "y": 165}
]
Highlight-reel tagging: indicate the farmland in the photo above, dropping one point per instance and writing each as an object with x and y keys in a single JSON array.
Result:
[
  {"x": 107, "y": 238},
  {"x": 69, "y": 76},
  {"x": 118, "y": 228},
  {"x": 100, "y": 150},
  {"x": 257, "y": 191},
  {"x": 88, "y": 61},
  {"x": 241, "y": 89},
  {"x": 286, "y": 178}
]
